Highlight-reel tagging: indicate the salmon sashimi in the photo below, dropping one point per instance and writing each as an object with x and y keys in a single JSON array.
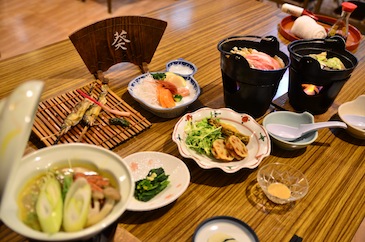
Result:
[{"x": 164, "y": 96}]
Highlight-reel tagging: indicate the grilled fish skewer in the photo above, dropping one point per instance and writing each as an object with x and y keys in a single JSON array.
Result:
[
  {"x": 92, "y": 113},
  {"x": 74, "y": 117}
]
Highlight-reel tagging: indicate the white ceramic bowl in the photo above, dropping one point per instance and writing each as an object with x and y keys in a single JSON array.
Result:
[
  {"x": 354, "y": 107},
  {"x": 181, "y": 67},
  {"x": 39, "y": 161},
  {"x": 160, "y": 111},
  {"x": 292, "y": 119}
]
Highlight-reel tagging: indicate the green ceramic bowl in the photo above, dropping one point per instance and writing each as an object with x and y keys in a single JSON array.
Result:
[{"x": 292, "y": 119}]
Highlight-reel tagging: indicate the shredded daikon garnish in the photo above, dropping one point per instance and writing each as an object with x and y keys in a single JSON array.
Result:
[{"x": 146, "y": 90}]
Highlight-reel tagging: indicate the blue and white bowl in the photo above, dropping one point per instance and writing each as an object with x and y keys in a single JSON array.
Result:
[
  {"x": 157, "y": 109},
  {"x": 181, "y": 67}
]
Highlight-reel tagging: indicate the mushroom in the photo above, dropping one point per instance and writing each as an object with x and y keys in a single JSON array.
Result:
[{"x": 111, "y": 196}]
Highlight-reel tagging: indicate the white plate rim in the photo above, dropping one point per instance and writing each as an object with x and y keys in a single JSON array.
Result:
[
  {"x": 183, "y": 174},
  {"x": 216, "y": 220},
  {"x": 258, "y": 134}
]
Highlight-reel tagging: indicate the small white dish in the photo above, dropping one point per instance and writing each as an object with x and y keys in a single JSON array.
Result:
[
  {"x": 354, "y": 107},
  {"x": 158, "y": 110},
  {"x": 230, "y": 226},
  {"x": 259, "y": 146},
  {"x": 181, "y": 67},
  {"x": 179, "y": 176}
]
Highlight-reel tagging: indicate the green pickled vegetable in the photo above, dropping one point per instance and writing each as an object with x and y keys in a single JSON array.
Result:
[
  {"x": 159, "y": 76},
  {"x": 76, "y": 205},
  {"x": 201, "y": 135},
  {"x": 119, "y": 121},
  {"x": 49, "y": 206},
  {"x": 155, "y": 181},
  {"x": 177, "y": 98}
]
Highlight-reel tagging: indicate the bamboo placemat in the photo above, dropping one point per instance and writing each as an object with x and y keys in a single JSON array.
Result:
[{"x": 52, "y": 112}]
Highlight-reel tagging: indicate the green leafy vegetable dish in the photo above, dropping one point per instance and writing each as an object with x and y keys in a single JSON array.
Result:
[
  {"x": 201, "y": 135},
  {"x": 155, "y": 182},
  {"x": 211, "y": 137}
]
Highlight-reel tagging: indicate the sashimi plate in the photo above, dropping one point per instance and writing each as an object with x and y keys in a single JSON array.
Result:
[
  {"x": 141, "y": 163},
  {"x": 258, "y": 147}
]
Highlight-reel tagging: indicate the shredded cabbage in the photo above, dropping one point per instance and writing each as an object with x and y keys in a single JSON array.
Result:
[{"x": 201, "y": 135}]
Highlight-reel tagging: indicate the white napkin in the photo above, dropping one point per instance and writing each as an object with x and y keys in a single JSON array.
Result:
[{"x": 307, "y": 28}]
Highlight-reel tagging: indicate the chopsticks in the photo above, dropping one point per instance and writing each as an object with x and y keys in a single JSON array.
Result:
[{"x": 296, "y": 238}]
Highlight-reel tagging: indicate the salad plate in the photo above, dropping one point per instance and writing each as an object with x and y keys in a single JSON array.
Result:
[
  {"x": 141, "y": 163},
  {"x": 258, "y": 147},
  {"x": 224, "y": 228}
]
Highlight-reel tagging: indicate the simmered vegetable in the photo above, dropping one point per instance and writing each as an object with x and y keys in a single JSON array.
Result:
[
  {"x": 333, "y": 63},
  {"x": 67, "y": 182},
  {"x": 67, "y": 199},
  {"x": 49, "y": 206},
  {"x": 153, "y": 184},
  {"x": 77, "y": 204}
]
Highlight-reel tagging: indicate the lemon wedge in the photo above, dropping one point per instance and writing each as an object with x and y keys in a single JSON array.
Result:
[{"x": 177, "y": 80}]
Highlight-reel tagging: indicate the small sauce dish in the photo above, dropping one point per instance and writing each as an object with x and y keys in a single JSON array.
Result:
[{"x": 181, "y": 67}]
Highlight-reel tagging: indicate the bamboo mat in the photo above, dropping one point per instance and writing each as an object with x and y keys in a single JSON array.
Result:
[{"x": 52, "y": 112}]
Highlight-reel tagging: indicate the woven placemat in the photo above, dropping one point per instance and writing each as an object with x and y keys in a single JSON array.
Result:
[{"x": 52, "y": 112}]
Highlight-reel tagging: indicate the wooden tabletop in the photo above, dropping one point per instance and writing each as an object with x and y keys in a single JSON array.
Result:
[{"x": 334, "y": 165}]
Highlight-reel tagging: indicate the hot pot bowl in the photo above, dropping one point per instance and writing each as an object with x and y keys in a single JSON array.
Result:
[
  {"x": 354, "y": 107},
  {"x": 305, "y": 70},
  {"x": 249, "y": 90},
  {"x": 63, "y": 155},
  {"x": 291, "y": 119}
]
